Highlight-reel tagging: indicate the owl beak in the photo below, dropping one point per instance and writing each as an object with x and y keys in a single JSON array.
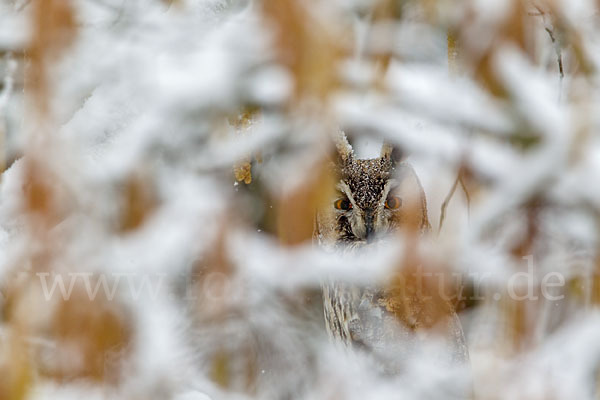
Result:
[{"x": 369, "y": 225}]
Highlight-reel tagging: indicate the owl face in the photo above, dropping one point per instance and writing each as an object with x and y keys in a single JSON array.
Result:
[
  {"x": 373, "y": 197},
  {"x": 367, "y": 202}
]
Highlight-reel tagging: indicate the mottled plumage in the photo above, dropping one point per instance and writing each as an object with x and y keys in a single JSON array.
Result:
[{"x": 376, "y": 197}]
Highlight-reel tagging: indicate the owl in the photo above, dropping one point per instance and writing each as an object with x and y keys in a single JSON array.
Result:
[{"x": 373, "y": 199}]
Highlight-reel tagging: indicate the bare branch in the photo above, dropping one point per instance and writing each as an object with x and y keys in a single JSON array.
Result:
[
  {"x": 558, "y": 51},
  {"x": 459, "y": 180},
  {"x": 446, "y": 202}
]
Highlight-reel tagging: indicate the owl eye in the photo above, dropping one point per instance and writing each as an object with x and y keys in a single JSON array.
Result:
[
  {"x": 393, "y": 202},
  {"x": 343, "y": 204}
]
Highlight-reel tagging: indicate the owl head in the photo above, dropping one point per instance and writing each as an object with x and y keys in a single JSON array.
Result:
[{"x": 373, "y": 196}]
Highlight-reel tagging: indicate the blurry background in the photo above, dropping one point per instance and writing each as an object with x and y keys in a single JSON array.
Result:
[{"x": 162, "y": 162}]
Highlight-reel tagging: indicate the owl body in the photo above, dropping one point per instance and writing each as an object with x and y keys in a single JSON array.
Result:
[{"x": 375, "y": 198}]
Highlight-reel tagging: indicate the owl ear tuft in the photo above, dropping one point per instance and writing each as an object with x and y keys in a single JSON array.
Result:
[
  {"x": 394, "y": 153},
  {"x": 344, "y": 150}
]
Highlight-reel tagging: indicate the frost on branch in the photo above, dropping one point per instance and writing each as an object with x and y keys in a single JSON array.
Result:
[{"x": 163, "y": 161}]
